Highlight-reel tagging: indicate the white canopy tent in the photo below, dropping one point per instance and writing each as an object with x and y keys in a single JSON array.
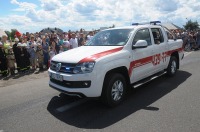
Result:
[
  {"x": 2, "y": 33},
  {"x": 171, "y": 26}
]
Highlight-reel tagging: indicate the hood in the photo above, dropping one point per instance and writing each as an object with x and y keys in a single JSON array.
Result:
[{"x": 85, "y": 54}]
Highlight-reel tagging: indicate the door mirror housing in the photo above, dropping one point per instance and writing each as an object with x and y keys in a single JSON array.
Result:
[{"x": 140, "y": 44}]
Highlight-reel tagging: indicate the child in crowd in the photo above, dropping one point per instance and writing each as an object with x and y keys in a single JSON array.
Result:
[
  {"x": 33, "y": 59},
  {"x": 52, "y": 53},
  {"x": 40, "y": 56},
  {"x": 11, "y": 60},
  {"x": 66, "y": 45},
  {"x": 61, "y": 49}
]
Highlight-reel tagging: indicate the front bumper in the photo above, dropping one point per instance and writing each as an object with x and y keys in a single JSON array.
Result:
[{"x": 81, "y": 85}]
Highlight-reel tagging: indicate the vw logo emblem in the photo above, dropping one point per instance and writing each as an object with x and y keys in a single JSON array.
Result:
[{"x": 58, "y": 66}]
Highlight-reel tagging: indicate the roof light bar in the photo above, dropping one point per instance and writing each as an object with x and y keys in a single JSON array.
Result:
[{"x": 151, "y": 22}]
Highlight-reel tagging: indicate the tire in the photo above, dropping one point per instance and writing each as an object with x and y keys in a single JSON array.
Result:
[
  {"x": 114, "y": 89},
  {"x": 172, "y": 67}
]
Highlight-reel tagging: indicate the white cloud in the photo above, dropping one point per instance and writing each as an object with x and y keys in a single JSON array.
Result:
[
  {"x": 92, "y": 14},
  {"x": 24, "y": 5},
  {"x": 50, "y": 5}
]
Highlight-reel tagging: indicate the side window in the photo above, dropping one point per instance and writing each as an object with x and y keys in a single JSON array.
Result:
[
  {"x": 142, "y": 34},
  {"x": 170, "y": 35},
  {"x": 157, "y": 35}
]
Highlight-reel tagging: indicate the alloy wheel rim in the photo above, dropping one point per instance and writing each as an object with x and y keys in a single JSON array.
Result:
[
  {"x": 173, "y": 67},
  {"x": 117, "y": 90}
]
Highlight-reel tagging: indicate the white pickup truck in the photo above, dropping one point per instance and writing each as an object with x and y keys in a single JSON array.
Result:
[{"x": 114, "y": 59}]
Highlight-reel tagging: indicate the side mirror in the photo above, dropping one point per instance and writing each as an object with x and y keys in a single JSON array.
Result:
[{"x": 140, "y": 44}]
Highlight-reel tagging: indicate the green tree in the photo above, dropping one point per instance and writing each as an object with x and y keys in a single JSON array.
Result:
[
  {"x": 190, "y": 25},
  {"x": 12, "y": 34},
  {"x": 113, "y": 26},
  {"x": 8, "y": 34}
]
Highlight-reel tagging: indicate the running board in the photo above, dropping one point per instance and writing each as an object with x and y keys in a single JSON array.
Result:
[{"x": 148, "y": 79}]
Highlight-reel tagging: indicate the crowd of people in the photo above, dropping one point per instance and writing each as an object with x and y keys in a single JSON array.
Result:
[
  {"x": 34, "y": 51},
  {"x": 191, "y": 39}
]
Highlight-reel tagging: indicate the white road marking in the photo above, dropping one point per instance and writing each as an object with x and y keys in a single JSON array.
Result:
[
  {"x": 187, "y": 53},
  {"x": 71, "y": 105}
]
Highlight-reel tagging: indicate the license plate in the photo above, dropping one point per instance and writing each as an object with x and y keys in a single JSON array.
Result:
[{"x": 56, "y": 76}]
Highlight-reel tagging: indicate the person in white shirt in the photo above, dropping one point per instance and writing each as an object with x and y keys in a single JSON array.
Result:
[
  {"x": 89, "y": 37},
  {"x": 73, "y": 41}
]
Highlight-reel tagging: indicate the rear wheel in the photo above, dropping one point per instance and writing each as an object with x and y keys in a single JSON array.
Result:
[
  {"x": 172, "y": 67},
  {"x": 114, "y": 89}
]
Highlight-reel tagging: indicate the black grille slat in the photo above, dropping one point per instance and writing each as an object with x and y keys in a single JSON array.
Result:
[{"x": 70, "y": 67}]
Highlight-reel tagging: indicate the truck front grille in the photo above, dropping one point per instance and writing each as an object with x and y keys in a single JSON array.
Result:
[{"x": 65, "y": 67}]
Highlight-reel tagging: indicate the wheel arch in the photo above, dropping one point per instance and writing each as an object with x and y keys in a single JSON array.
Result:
[{"x": 122, "y": 70}]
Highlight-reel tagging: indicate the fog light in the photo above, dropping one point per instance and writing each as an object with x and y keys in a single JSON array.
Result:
[{"x": 85, "y": 83}]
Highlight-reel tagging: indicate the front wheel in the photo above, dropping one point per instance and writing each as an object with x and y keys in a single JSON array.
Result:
[
  {"x": 114, "y": 89},
  {"x": 172, "y": 67}
]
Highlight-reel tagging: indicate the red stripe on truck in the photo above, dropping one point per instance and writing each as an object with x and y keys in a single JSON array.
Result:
[
  {"x": 147, "y": 60},
  {"x": 138, "y": 63},
  {"x": 99, "y": 55}
]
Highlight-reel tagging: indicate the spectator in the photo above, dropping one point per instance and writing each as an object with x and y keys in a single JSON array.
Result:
[
  {"x": 53, "y": 46},
  {"x": 73, "y": 41},
  {"x": 198, "y": 38},
  {"x": 40, "y": 56},
  {"x": 90, "y": 35},
  {"x": 21, "y": 56},
  {"x": 81, "y": 40},
  {"x": 32, "y": 43},
  {"x": 3, "y": 61},
  {"x": 11, "y": 60},
  {"x": 26, "y": 57},
  {"x": 66, "y": 45},
  {"x": 45, "y": 48},
  {"x": 52, "y": 53},
  {"x": 32, "y": 58},
  {"x": 61, "y": 49}
]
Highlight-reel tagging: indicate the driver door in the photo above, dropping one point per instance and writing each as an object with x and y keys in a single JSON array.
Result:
[{"x": 141, "y": 63}]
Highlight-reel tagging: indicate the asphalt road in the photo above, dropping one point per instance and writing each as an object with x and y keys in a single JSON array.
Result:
[{"x": 163, "y": 105}]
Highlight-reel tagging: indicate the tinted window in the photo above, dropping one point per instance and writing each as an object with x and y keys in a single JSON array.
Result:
[
  {"x": 142, "y": 34},
  {"x": 113, "y": 37}
]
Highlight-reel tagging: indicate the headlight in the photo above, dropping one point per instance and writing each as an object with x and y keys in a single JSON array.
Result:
[{"x": 85, "y": 67}]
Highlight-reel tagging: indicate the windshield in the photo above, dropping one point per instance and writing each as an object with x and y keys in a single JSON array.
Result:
[{"x": 115, "y": 37}]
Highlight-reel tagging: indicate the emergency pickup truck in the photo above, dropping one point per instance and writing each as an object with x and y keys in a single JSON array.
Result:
[{"x": 115, "y": 58}]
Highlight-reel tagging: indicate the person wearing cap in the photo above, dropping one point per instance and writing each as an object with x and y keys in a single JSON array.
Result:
[
  {"x": 40, "y": 56},
  {"x": 11, "y": 60},
  {"x": 3, "y": 61}
]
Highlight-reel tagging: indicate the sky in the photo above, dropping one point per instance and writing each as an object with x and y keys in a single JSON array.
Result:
[{"x": 34, "y": 15}]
